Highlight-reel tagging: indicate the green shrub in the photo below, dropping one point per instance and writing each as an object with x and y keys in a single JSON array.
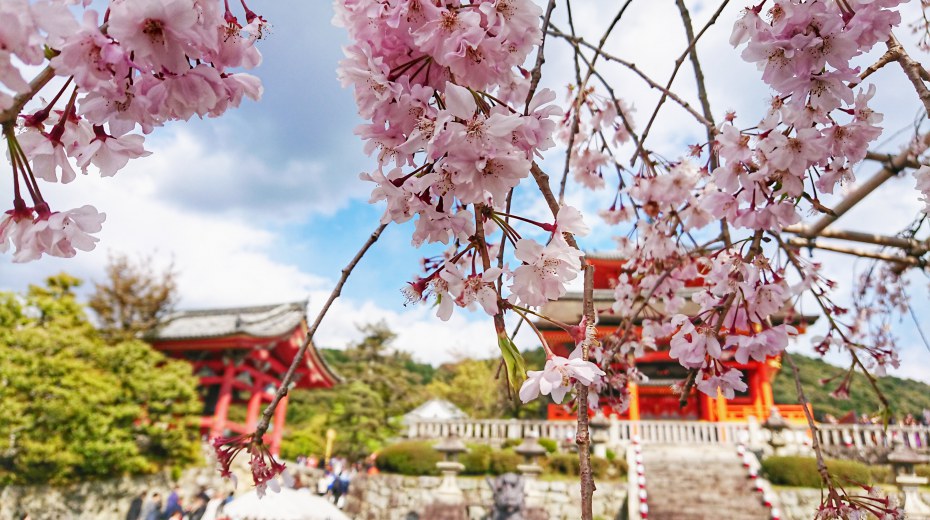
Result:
[
  {"x": 922, "y": 470},
  {"x": 562, "y": 464},
  {"x": 621, "y": 467},
  {"x": 478, "y": 459},
  {"x": 611, "y": 455},
  {"x": 409, "y": 458},
  {"x": 881, "y": 474},
  {"x": 802, "y": 471},
  {"x": 600, "y": 467},
  {"x": 567, "y": 464},
  {"x": 511, "y": 443},
  {"x": 551, "y": 445},
  {"x": 504, "y": 461}
]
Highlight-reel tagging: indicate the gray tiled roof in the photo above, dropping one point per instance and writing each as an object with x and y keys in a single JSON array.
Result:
[{"x": 265, "y": 321}]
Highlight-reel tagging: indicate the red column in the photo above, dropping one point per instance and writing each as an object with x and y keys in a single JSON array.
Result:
[
  {"x": 634, "y": 401},
  {"x": 707, "y": 407},
  {"x": 223, "y": 401},
  {"x": 255, "y": 404},
  {"x": 280, "y": 413}
]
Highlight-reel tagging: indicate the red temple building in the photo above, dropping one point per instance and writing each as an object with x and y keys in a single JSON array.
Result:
[
  {"x": 240, "y": 356},
  {"x": 654, "y": 398}
]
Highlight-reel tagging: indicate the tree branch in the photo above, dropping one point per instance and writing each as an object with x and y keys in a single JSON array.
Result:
[
  {"x": 912, "y": 69},
  {"x": 583, "y": 435},
  {"x": 9, "y": 115},
  {"x": 288, "y": 378}
]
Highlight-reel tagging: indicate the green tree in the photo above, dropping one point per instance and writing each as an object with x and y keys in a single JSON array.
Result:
[
  {"x": 380, "y": 385},
  {"x": 73, "y": 407}
]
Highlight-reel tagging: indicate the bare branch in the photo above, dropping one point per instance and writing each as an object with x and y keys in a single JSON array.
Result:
[
  {"x": 678, "y": 62},
  {"x": 912, "y": 69},
  {"x": 818, "y": 450},
  {"x": 632, "y": 66},
  {"x": 288, "y": 378}
]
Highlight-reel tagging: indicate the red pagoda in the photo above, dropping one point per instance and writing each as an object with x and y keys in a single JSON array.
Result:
[
  {"x": 240, "y": 355},
  {"x": 654, "y": 398}
]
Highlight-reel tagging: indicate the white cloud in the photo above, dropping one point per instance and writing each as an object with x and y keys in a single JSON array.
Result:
[{"x": 419, "y": 331}]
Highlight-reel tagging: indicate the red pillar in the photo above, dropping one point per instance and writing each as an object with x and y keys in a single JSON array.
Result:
[
  {"x": 280, "y": 413},
  {"x": 255, "y": 404},
  {"x": 634, "y": 401},
  {"x": 223, "y": 401}
]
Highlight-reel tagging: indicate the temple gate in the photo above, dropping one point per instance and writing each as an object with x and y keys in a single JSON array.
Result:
[
  {"x": 654, "y": 399},
  {"x": 240, "y": 355}
]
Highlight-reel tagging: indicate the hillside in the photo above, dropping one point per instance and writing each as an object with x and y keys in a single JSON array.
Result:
[{"x": 905, "y": 395}]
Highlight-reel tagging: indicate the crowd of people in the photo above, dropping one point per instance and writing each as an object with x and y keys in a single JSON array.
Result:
[
  {"x": 206, "y": 505},
  {"x": 852, "y": 418}
]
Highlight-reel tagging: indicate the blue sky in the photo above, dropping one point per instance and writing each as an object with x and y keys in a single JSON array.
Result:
[{"x": 264, "y": 204}]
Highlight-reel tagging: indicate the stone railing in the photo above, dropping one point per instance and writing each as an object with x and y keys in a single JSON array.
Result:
[
  {"x": 494, "y": 431},
  {"x": 619, "y": 432},
  {"x": 873, "y": 435}
]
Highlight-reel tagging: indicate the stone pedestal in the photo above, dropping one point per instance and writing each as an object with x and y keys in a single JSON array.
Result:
[
  {"x": 530, "y": 472},
  {"x": 914, "y": 506},
  {"x": 448, "y": 491}
]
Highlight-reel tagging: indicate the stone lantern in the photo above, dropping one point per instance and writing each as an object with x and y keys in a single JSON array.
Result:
[
  {"x": 776, "y": 426},
  {"x": 451, "y": 447},
  {"x": 903, "y": 460},
  {"x": 599, "y": 436},
  {"x": 531, "y": 450}
]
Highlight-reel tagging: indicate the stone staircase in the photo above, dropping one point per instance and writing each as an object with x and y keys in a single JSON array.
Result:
[{"x": 699, "y": 482}]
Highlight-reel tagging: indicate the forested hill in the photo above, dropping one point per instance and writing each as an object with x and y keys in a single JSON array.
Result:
[{"x": 905, "y": 395}]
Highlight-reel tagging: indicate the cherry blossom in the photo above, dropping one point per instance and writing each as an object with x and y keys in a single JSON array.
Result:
[
  {"x": 556, "y": 378},
  {"x": 545, "y": 271}
]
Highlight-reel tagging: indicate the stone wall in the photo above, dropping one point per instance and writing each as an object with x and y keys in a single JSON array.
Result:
[
  {"x": 397, "y": 497},
  {"x": 100, "y": 500}
]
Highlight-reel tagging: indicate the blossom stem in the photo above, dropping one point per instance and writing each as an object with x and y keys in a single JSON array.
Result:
[
  {"x": 547, "y": 227},
  {"x": 542, "y": 339},
  {"x": 555, "y": 322}
]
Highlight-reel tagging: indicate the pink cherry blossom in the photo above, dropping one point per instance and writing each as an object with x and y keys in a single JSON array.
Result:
[
  {"x": 545, "y": 271},
  {"x": 726, "y": 383},
  {"x": 556, "y": 378}
]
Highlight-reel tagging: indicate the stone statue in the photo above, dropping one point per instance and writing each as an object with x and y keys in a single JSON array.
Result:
[{"x": 509, "y": 498}]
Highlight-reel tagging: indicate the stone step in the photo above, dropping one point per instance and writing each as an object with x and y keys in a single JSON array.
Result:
[{"x": 684, "y": 483}]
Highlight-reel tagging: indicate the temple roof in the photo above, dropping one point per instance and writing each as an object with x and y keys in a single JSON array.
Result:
[{"x": 263, "y": 321}]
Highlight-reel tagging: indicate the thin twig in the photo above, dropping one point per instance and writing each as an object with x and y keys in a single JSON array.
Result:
[
  {"x": 536, "y": 74},
  {"x": 632, "y": 66},
  {"x": 678, "y": 62},
  {"x": 299, "y": 357},
  {"x": 818, "y": 451}
]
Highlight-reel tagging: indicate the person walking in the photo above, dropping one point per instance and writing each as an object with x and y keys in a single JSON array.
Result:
[
  {"x": 152, "y": 510},
  {"x": 135, "y": 507}
]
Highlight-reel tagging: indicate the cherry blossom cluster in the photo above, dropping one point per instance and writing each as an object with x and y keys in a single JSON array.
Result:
[
  {"x": 264, "y": 467},
  {"x": 818, "y": 127},
  {"x": 137, "y": 66},
  {"x": 454, "y": 134},
  {"x": 819, "y": 124},
  {"x": 872, "y": 504},
  {"x": 594, "y": 127}
]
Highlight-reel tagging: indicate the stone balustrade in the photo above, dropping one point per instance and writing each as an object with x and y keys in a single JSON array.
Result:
[
  {"x": 495, "y": 431},
  {"x": 873, "y": 435}
]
